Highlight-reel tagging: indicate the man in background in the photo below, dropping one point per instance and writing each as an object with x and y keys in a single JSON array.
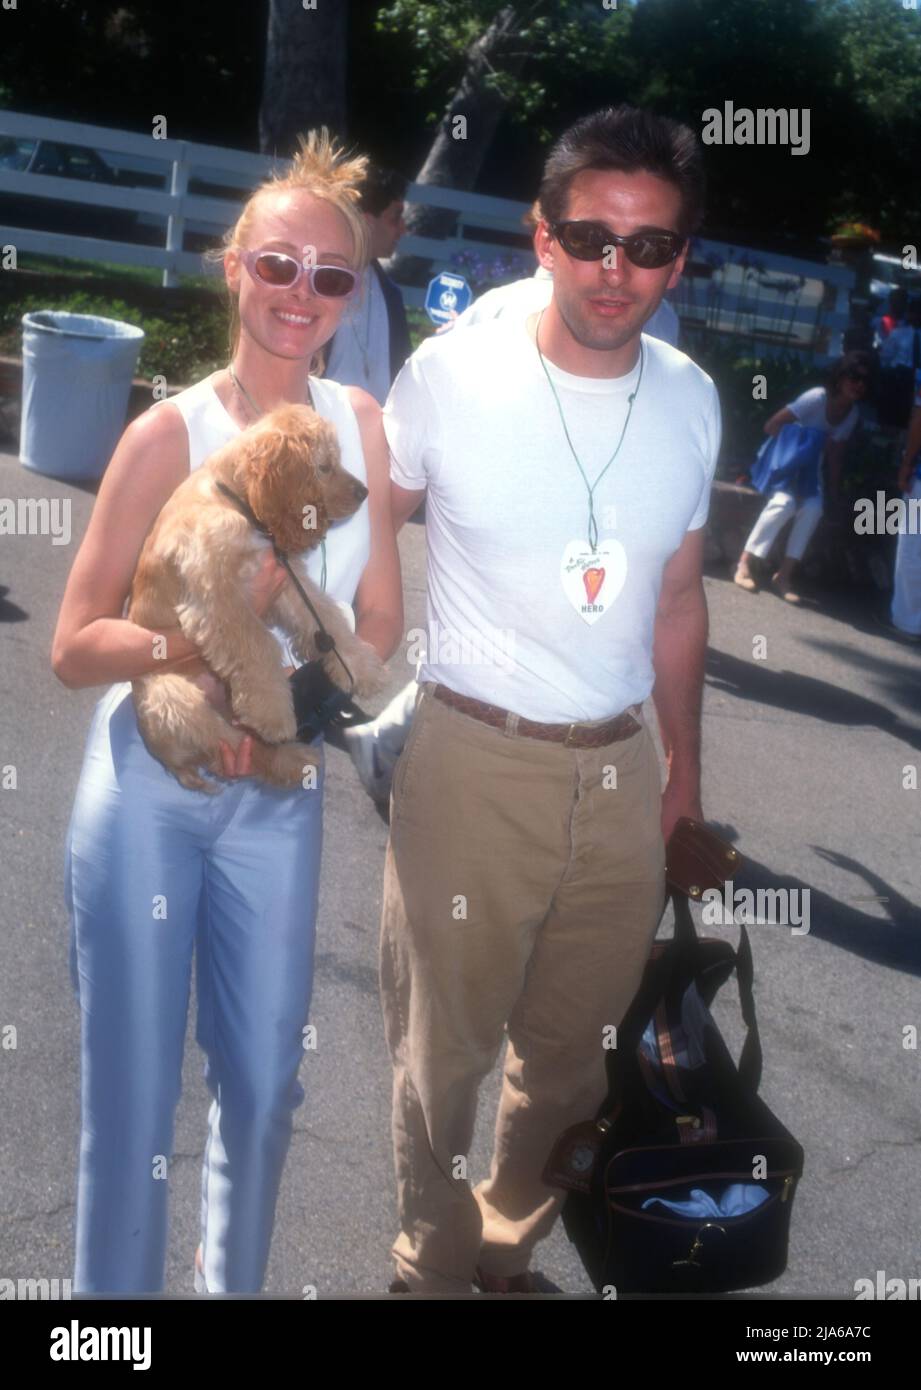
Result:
[
  {"x": 900, "y": 362},
  {"x": 372, "y": 341}
]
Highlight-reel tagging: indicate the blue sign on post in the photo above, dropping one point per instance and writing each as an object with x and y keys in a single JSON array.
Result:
[{"x": 447, "y": 296}]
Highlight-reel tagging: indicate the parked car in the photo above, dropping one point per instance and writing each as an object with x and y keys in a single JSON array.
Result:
[{"x": 28, "y": 156}]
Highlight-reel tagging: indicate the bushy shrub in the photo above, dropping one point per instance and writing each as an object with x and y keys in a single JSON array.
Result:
[
  {"x": 183, "y": 345},
  {"x": 786, "y": 376}
]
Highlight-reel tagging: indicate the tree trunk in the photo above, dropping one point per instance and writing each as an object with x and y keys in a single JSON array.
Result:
[
  {"x": 452, "y": 162},
  {"x": 304, "y": 79}
]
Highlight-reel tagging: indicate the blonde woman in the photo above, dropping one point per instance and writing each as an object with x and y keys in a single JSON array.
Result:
[{"x": 154, "y": 870}]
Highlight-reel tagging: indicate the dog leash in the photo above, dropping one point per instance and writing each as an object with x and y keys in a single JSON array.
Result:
[{"x": 324, "y": 639}]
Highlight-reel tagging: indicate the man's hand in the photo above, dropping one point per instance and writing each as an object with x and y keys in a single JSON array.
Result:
[{"x": 678, "y": 801}]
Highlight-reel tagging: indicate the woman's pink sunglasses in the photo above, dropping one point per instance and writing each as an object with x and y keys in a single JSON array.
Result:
[{"x": 284, "y": 272}]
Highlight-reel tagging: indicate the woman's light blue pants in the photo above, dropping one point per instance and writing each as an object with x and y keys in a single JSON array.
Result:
[{"x": 153, "y": 871}]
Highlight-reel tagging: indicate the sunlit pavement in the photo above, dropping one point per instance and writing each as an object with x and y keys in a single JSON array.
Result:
[{"x": 805, "y": 751}]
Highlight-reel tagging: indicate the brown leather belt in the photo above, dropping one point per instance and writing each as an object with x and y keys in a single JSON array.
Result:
[{"x": 572, "y": 735}]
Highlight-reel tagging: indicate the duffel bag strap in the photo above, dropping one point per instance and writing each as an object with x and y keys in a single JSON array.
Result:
[{"x": 654, "y": 986}]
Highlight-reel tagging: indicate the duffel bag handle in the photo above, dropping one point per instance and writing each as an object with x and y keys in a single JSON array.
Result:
[
  {"x": 654, "y": 985},
  {"x": 751, "y": 1057}
]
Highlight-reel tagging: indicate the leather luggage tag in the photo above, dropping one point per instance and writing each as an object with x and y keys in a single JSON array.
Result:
[
  {"x": 697, "y": 859},
  {"x": 573, "y": 1156}
]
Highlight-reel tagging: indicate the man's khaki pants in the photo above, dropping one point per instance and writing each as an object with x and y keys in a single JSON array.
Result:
[{"x": 523, "y": 886}]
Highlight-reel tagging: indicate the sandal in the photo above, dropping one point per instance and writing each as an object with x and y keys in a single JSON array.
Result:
[
  {"x": 531, "y": 1281},
  {"x": 745, "y": 581},
  {"x": 787, "y": 595}
]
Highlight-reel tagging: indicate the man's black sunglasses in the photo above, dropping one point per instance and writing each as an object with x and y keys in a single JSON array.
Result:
[{"x": 591, "y": 241}]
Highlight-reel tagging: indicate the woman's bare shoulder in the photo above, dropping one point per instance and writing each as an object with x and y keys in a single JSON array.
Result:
[
  {"x": 363, "y": 403},
  {"x": 153, "y": 451},
  {"x": 161, "y": 424}
]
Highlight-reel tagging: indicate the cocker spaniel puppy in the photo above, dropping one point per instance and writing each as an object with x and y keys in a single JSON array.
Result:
[{"x": 193, "y": 570}]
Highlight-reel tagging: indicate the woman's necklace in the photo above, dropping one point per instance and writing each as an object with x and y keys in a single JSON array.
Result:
[
  {"x": 592, "y": 575},
  {"x": 258, "y": 412}
]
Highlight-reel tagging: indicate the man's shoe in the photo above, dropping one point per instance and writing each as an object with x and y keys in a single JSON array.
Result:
[{"x": 531, "y": 1281}]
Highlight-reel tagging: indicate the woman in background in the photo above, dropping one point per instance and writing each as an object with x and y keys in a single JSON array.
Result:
[{"x": 822, "y": 417}]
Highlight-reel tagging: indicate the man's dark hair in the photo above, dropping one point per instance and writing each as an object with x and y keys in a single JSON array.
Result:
[
  {"x": 379, "y": 188},
  {"x": 630, "y": 140},
  {"x": 857, "y": 360}
]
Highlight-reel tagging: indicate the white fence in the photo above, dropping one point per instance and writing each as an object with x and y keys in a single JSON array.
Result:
[
  {"x": 764, "y": 298},
  {"x": 178, "y": 164},
  {"x": 758, "y": 296}
]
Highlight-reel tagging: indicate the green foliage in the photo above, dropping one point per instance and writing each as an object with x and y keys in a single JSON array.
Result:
[
  {"x": 550, "y": 41},
  {"x": 183, "y": 345},
  {"x": 879, "y": 48},
  {"x": 744, "y": 417},
  {"x": 119, "y": 65},
  {"x": 854, "y": 64},
  {"x": 882, "y": 45},
  {"x": 420, "y": 326}
]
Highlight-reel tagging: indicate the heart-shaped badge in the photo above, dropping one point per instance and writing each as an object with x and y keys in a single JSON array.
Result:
[{"x": 592, "y": 579}]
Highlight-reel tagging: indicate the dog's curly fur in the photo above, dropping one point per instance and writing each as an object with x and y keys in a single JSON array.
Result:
[{"x": 193, "y": 570}]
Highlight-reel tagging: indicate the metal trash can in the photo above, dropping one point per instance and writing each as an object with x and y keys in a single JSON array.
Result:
[{"x": 76, "y": 375}]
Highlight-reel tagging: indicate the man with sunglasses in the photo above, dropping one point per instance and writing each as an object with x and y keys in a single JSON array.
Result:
[
  {"x": 567, "y": 463},
  {"x": 533, "y": 292}
]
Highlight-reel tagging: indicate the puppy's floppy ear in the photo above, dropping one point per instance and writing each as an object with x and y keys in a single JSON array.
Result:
[
  {"x": 312, "y": 502},
  {"x": 279, "y": 480}
]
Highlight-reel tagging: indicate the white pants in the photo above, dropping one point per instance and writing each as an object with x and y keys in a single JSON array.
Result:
[
  {"x": 906, "y": 597},
  {"x": 778, "y": 511}
]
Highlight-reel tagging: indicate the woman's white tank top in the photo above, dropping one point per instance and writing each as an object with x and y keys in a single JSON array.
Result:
[{"x": 348, "y": 543}]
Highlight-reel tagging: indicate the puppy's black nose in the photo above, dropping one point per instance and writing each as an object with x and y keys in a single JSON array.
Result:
[{"x": 359, "y": 490}]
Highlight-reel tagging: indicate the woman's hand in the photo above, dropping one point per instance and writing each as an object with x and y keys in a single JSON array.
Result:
[
  {"x": 778, "y": 420},
  {"x": 379, "y": 597},
  {"x": 239, "y": 763}
]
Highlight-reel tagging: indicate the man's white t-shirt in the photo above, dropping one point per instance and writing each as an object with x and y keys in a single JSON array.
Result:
[{"x": 471, "y": 416}]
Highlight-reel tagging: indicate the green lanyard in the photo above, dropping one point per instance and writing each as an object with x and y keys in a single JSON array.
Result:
[
  {"x": 590, "y": 488},
  {"x": 243, "y": 391}
]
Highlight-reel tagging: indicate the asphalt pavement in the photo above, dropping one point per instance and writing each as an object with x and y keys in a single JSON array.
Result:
[{"x": 805, "y": 749}]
